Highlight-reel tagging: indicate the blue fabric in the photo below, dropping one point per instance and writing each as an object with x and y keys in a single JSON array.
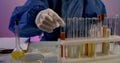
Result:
[{"x": 26, "y": 14}]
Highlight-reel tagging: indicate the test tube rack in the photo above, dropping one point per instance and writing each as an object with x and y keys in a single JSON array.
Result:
[
  {"x": 88, "y": 40},
  {"x": 77, "y": 39}
]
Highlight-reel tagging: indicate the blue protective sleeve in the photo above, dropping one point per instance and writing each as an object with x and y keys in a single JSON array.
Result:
[
  {"x": 93, "y": 8},
  {"x": 26, "y": 15}
]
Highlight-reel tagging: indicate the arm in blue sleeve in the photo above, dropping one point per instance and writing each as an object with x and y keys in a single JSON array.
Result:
[
  {"x": 94, "y": 8},
  {"x": 26, "y": 15}
]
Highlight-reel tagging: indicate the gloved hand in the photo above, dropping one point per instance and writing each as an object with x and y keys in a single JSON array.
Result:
[{"x": 47, "y": 20}]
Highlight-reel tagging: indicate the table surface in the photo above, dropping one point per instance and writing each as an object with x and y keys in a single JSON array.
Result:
[{"x": 6, "y": 58}]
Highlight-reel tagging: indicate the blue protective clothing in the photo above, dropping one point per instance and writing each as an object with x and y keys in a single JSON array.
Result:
[{"x": 26, "y": 14}]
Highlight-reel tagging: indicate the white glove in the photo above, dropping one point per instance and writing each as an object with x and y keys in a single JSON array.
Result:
[{"x": 47, "y": 20}]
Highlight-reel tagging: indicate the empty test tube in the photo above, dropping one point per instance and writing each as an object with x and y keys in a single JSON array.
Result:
[
  {"x": 69, "y": 35},
  {"x": 116, "y": 46},
  {"x": 80, "y": 48},
  {"x": 74, "y": 32}
]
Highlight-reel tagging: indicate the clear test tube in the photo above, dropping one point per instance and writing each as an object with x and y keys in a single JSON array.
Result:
[
  {"x": 86, "y": 45},
  {"x": 62, "y": 37},
  {"x": 78, "y": 46},
  {"x": 80, "y": 51},
  {"x": 104, "y": 29},
  {"x": 110, "y": 45},
  {"x": 105, "y": 45},
  {"x": 69, "y": 35},
  {"x": 69, "y": 32},
  {"x": 99, "y": 31},
  {"x": 90, "y": 47},
  {"x": 115, "y": 25},
  {"x": 77, "y": 32},
  {"x": 82, "y": 35},
  {"x": 109, "y": 32},
  {"x": 73, "y": 47},
  {"x": 92, "y": 53},
  {"x": 63, "y": 31}
]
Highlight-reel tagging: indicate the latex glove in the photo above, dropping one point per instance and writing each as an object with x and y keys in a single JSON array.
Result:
[{"x": 47, "y": 20}]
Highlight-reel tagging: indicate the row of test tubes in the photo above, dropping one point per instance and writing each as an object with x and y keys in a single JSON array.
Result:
[{"x": 84, "y": 28}]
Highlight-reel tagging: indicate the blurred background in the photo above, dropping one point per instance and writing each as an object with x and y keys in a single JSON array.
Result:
[{"x": 7, "y": 7}]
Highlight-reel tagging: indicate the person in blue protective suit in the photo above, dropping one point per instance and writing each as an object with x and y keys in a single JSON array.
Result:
[{"x": 45, "y": 16}]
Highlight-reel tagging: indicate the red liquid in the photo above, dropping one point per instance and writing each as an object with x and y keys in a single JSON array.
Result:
[
  {"x": 62, "y": 37},
  {"x": 86, "y": 49}
]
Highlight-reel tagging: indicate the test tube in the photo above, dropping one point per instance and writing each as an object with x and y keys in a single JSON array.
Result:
[
  {"x": 90, "y": 47},
  {"x": 72, "y": 53},
  {"x": 76, "y": 48},
  {"x": 117, "y": 44},
  {"x": 76, "y": 36},
  {"x": 105, "y": 45},
  {"x": 86, "y": 45},
  {"x": 94, "y": 33},
  {"x": 73, "y": 47},
  {"x": 79, "y": 48},
  {"x": 69, "y": 34},
  {"x": 62, "y": 37}
]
